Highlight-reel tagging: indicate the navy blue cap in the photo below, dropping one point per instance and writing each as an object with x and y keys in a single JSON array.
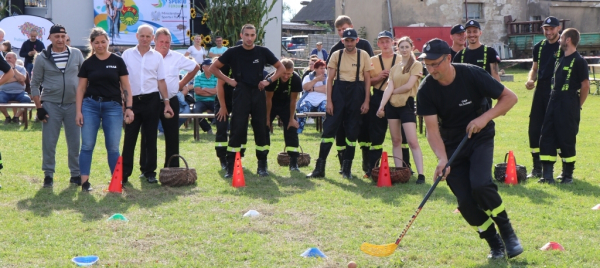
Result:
[
  {"x": 206, "y": 62},
  {"x": 387, "y": 34},
  {"x": 434, "y": 49},
  {"x": 458, "y": 28},
  {"x": 350, "y": 33},
  {"x": 551, "y": 21},
  {"x": 472, "y": 23}
]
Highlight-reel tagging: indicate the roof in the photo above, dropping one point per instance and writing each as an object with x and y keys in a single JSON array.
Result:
[
  {"x": 317, "y": 10},
  {"x": 300, "y": 27}
]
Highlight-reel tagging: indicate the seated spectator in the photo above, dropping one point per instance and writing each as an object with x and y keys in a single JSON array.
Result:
[
  {"x": 6, "y": 47},
  {"x": 320, "y": 52},
  {"x": 205, "y": 89},
  {"x": 311, "y": 66},
  {"x": 14, "y": 89},
  {"x": 314, "y": 98}
]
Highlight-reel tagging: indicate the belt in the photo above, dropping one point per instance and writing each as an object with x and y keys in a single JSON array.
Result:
[
  {"x": 145, "y": 96},
  {"x": 101, "y": 98}
]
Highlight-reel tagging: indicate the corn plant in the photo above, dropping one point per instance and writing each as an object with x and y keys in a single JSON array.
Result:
[{"x": 226, "y": 17}]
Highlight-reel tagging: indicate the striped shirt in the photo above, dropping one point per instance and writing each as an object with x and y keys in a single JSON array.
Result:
[
  {"x": 61, "y": 58},
  {"x": 202, "y": 82}
]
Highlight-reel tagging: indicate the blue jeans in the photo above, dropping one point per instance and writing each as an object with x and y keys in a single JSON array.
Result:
[
  {"x": 20, "y": 97},
  {"x": 184, "y": 108},
  {"x": 305, "y": 106},
  {"x": 29, "y": 67},
  {"x": 110, "y": 113}
]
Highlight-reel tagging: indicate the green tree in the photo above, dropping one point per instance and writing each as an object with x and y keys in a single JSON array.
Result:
[{"x": 226, "y": 17}]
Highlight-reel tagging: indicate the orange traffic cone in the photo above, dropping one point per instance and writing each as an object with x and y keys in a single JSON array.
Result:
[
  {"x": 511, "y": 170},
  {"x": 116, "y": 183},
  {"x": 384, "y": 179},
  {"x": 238, "y": 173}
]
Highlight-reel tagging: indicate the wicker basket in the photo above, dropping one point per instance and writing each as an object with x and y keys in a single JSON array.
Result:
[
  {"x": 177, "y": 176},
  {"x": 500, "y": 171},
  {"x": 283, "y": 159},
  {"x": 397, "y": 174}
]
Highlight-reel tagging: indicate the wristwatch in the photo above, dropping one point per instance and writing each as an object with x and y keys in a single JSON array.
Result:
[
  {"x": 269, "y": 80},
  {"x": 128, "y": 107},
  {"x": 165, "y": 99}
]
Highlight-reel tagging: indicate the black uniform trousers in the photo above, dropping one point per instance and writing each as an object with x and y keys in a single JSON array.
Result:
[
  {"x": 171, "y": 128},
  {"x": 541, "y": 96},
  {"x": 470, "y": 180},
  {"x": 146, "y": 111},
  {"x": 222, "y": 128},
  {"x": 561, "y": 126},
  {"x": 290, "y": 135},
  {"x": 377, "y": 128},
  {"x": 346, "y": 97},
  {"x": 248, "y": 100}
]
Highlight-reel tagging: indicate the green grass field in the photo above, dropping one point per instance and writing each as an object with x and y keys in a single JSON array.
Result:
[{"x": 202, "y": 225}]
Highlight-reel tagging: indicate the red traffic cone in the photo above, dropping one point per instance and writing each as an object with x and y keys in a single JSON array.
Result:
[
  {"x": 116, "y": 183},
  {"x": 511, "y": 170},
  {"x": 384, "y": 179},
  {"x": 238, "y": 172}
]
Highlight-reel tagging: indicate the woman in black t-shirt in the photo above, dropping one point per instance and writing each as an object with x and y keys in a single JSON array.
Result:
[{"x": 103, "y": 86}]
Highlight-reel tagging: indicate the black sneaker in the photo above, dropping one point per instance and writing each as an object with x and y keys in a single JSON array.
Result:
[
  {"x": 151, "y": 179},
  {"x": 76, "y": 180},
  {"x": 7, "y": 120},
  {"x": 421, "y": 179},
  {"x": 86, "y": 186},
  {"x": 48, "y": 182},
  {"x": 16, "y": 120}
]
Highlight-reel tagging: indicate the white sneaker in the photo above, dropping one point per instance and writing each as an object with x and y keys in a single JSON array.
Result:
[
  {"x": 209, "y": 132},
  {"x": 310, "y": 120}
]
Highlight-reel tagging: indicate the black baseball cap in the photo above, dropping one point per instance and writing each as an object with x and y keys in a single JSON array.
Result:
[
  {"x": 57, "y": 28},
  {"x": 472, "y": 23},
  {"x": 551, "y": 21},
  {"x": 387, "y": 34},
  {"x": 458, "y": 28},
  {"x": 350, "y": 33},
  {"x": 434, "y": 49}
]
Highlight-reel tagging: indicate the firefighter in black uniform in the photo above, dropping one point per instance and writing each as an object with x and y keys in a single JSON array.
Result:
[
  {"x": 223, "y": 105},
  {"x": 247, "y": 63},
  {"x": 377, "y": 126},
  {"x": 452, "y": 100},
  {"x": 346, "y": 100},
  {"x": 281, "y": 101},
  {"x": 545, "y": 54},
  {"x": 570, "y": 88},
  {"x": 458, "y": 36}
]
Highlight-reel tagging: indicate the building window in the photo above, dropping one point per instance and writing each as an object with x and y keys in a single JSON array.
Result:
[
  {"x": 35, "y": 3},
  {"x": 474, "y": 11},
  {"x": 536, "y": 18}
]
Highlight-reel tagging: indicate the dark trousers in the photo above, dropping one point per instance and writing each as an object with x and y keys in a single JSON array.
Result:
[
  {"x": 248, "y": 101},
  {"x": 561, "y": 126},
  {"x": 377, "y": 128},
  {"x": 222, "y": 127},
  {"x": 347, "y": 97},
  {"x": 541, "y": 96},
  {"x": 201, "y": 107},
  {"x": 171, "y": 131},
  {"x": 471, "y": 181},
  {"x": 146, "y": 110},
  {"x": 289, "y": 135}
]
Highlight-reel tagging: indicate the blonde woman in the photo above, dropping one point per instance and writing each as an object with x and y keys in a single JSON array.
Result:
[
  {"x": 398, "y": 104},
  {"x": 197, "y": 51},
  {"x": 103, "y": 89}
]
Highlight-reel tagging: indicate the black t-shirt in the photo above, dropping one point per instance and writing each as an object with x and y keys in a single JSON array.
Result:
[
  {"x": 579, "y": 72},
  {"x": 228, "y": 90},
  {"x": 104, "y": 76},
  {"x": 4, "y": 66},
  {"x": 457, "y": 104},
  {"x": 475, "y": 57},
  {"x": 362, "y": 44},
  {"x": 282, "y": 90},
  {"x": 452, "y": 54},
  {"x": 248, "y": 65},
  {"x": 547, "y": 59}
]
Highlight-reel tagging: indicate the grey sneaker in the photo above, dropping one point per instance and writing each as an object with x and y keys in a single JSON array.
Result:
[{"x": 209, "y": 132}]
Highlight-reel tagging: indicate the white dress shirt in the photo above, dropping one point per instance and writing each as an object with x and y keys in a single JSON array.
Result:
[
  {"x": 174, "y": 62},
  {"x": 144, "y": 71}
]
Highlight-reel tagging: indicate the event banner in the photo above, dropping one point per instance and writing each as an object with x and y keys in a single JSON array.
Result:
[
  {"x": 18, "y": 28},
  {"x": 121, "y": 18}
]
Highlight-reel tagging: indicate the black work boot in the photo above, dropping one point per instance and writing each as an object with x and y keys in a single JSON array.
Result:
[
  {"x": 230, "y": 164},
  {"x": 261, "y": 170},
  {"x": 536, "y": 172},
  {"x": 223, "y": 161},
  {"x": 294, "y": 163},
  {"x": 511, "y": 242},
  {"x": 567, "y": 174},
  {"x": 347, "y": 169},
  {"x": 340, "y": 156},
  {"x": 319, "y": 171},
  {"x": 547, "y": 173},
  {"x": 496, "y": 247}
]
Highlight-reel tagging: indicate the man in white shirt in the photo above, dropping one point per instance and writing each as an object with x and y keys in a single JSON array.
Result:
[
  {"x": 218, "y": 50},
  {"x": 173, "y": 63},
  {"x": 147, "y": 77}
]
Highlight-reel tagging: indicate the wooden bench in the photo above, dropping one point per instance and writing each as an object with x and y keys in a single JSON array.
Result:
[
  {"x": 24, "y": 118},
  {"x": 318, "y": 116},
  {"x": 196, "y": 118}
]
